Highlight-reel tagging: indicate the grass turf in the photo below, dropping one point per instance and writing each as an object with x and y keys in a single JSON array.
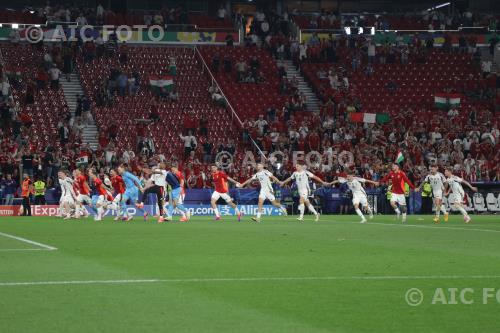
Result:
[{"x": 311, "y": 277}]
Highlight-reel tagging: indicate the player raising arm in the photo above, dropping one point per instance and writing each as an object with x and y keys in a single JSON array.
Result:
[
  {"x": 158, "y": 188},
  {"x": 301, "y": 177},
  {"x": 437, "y": 181},
  {"x": 358, "y": 193},
  {"x": 398, "y": 179},
  {"x": 220, "y": 179},
  {"x": 455, "y": 187},
  {"x": 266, "y": 189}
]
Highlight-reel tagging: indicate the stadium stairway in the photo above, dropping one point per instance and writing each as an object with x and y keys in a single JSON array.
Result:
[
  {"x": 291, "y": 71},
  {"x": 71, "y": 89}
]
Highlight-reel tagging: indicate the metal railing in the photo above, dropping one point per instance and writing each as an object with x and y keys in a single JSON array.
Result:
[{"x": 233, "y": 111}]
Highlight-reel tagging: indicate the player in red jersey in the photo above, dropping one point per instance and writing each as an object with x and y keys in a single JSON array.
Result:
[
  {"x": 220, "y": 179},
  {"x": 83, "y": 190},
  {"x": 105, "y": 196},
  {"x": 119, "y": 188},
  {"x": 398, "y": 179}
]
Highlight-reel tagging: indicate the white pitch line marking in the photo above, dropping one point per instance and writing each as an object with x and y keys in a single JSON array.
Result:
[
  {"x": 250, "y": 279},
  {"x": 47, "y": 247},
  {"x": 432, "y": 227},
  {"x": 12, "y": 250}
]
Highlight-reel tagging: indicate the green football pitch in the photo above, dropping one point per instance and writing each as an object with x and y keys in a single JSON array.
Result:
[{"x": 336, "y": 275}]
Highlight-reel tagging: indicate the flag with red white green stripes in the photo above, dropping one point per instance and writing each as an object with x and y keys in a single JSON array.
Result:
[
  {"x": 371, "y": 118},
  {"x": 399, "y": 157}
]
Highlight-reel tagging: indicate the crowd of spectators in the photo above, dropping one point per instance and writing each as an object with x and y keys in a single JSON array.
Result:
[
  {"x": 474, "y": 152},
  {"x": 431, "y": 20}
]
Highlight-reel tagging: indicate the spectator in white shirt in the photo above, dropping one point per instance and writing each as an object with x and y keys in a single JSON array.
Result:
[
  {"x": 261, "y": 123},
  {"x": 221, "y": 13},
  {"x": 81, "y": 20},
  {"x": 190, "y": 143},
  {"x": 54, "y": 74},
  {"x": 5, "y": 87},
  {"x": 467, "y": 142},
  {"x": 100, "y": 10},
  {"x": 435, "y": 136},
  {"x": 302, "y": 51},
  {"x": 371, "y": 52},
  {"x": 452, "y": 113},
  {"x": 486, "y": 67}
]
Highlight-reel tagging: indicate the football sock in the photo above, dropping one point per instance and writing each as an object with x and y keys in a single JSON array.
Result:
[
  {"x": 301, "y": 210},
  {"x": 311, "y": 208}
]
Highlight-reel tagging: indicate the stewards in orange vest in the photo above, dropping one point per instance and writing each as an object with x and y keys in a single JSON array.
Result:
[{"x": 26, "y": 191}]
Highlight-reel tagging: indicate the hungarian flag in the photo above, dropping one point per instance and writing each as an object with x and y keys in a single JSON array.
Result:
[
  {"x": 454, "y": 100},
  {"x": 445, "y": 100},
  {"x": 165, "y": 82},
  {"x": 399, "y": 157},
  {"x": 13, "y": 73},
  {"x": 441, "y": 100},
  {"x": 371, "y": 118}
]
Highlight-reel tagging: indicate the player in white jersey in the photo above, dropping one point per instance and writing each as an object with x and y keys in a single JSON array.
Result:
[
  {"x": 265, "y": 178},
  {"x": 455, "y": 187},
  {"x": 157, "y": 186},
  {"x": 358, "y": 193},
  {"x": 437, "y": 180},
  {"x": 68, "y": 196},
  {"x": 302, "y": 177}
]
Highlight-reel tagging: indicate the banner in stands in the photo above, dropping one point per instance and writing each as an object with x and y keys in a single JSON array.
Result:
[
  {"x": 200, "y": 210},
  {"x": 9, "y": 210},
  {"x": 405, "y": 37},
  {"x": 133, "y": 36}
]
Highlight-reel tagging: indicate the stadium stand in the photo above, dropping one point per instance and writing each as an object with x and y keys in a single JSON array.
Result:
[
  {"x": 23, "y": 63},
  {"x": 190, "y": 83}
]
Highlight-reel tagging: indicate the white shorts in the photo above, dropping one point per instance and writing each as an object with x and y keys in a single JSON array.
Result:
[
  {"x": 438, "y": 194},
  {"x": 265, "y": 194},
  {"x": 216, "y": 195},
  {"x": 304, "y": 195},
  {"x": 83, "y": 198},
  {"x": 118, "y": 198},
  {"x": 67, "y": 199},
  {"x": 398, "y": 198},
  {"x": 101, "y": 201},
  {"x": 456, "y": 198},
  {"x": 360, "y": 199}
]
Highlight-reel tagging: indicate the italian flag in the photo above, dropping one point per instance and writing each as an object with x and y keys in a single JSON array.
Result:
[
  {"x": 371, "y": 118},
  {"x": 165, "y": 82},
  {"x": 445, "y": 100},
  {"x": 399, "y": 157}
]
